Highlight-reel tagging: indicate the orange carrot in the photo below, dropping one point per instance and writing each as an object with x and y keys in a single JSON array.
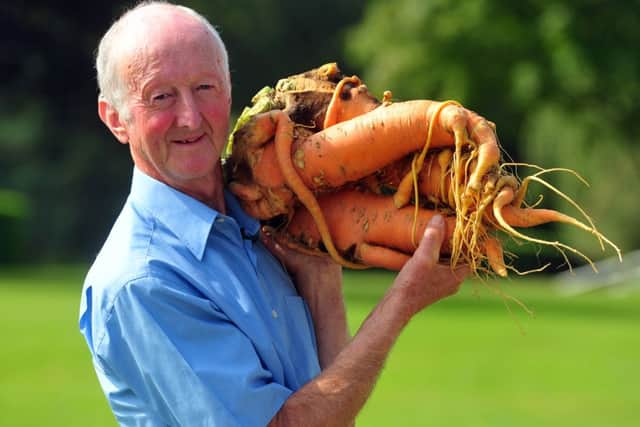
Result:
[
  {"x": 368, "y": 226},
  {"x": 391, "y": 132},
  {"x": 350, "y": 99},
  {"x": 346, "y": 143},
  {"x": 283, "y": 142}
]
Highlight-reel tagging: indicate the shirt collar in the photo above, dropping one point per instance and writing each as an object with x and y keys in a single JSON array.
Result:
[
  {"x": 189, "y": 219},
  {"x": 250, "y": 225}
]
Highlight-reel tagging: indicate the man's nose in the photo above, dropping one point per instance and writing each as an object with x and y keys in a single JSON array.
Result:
[{"x": 188, "y": 114}]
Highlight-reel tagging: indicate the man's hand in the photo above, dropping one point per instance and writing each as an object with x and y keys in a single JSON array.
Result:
[
  {"x": 305, "y": 270},
  {"x": 335, "y": 396},
  {"x": 318, "y": 280},
  {"x": 423, "y": 281}
]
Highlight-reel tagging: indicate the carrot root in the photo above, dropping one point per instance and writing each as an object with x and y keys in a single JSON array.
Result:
[{"x": 344, "y": 141}]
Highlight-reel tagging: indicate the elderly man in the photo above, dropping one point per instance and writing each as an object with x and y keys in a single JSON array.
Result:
[{"x": 190, "y": 318}]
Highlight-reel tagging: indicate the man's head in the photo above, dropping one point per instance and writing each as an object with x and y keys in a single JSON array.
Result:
[{"x": 165, "y": 90}]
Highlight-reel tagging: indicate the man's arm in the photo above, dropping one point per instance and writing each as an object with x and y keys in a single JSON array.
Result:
[
  {"x": 335, "y": 396},
  {"x": 321, "y": 288}
]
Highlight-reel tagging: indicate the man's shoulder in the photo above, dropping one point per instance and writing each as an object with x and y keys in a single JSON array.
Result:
[
  {"x": 120, "y": 260},
  {"x": 138, "y": 253},
  {"x": 138, "y": 247}
]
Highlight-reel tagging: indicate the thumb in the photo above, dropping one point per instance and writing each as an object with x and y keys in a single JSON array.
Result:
[
  {"x": 270, "y": 241},
  {"x": 429, "y": 249}
]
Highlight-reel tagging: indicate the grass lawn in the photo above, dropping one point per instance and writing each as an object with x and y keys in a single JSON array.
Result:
[
  {"x": 464, "y": 362},
  {"x": 467, "y": 362}
]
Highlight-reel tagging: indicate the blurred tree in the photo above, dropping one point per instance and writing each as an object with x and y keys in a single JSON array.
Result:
[
  {"x": 13, "y": 208},
  {"x": 271, "y": 39},
  {"x": 560, "y": 79},
  {"x": 54, "y": 150}
]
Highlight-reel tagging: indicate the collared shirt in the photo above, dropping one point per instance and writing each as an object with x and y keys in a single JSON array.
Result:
[{"x": 189, "y": 320}]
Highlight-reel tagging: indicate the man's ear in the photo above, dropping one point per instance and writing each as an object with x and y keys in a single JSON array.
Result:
[{"x": 110, "y": 117}]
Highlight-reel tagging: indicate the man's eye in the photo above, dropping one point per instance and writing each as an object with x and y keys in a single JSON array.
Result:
[
  {"x": 206, "y": 87},
  {"x": 161, "y": 97}
]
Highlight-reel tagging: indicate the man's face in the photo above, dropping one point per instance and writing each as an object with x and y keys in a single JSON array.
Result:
[{"x": 178, "y": 103}]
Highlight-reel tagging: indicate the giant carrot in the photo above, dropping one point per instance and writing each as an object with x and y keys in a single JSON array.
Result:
[{"x": 319, "y": 157}]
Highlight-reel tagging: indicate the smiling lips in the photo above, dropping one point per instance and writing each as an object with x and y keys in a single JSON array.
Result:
[{"x": 189, "y": 140}]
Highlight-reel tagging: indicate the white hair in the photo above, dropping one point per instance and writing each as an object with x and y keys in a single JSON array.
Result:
[{"x": 111, "y": 84}]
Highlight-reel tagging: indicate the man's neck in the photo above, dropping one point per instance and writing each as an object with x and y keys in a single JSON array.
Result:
[{"x": 207, "y": 189}]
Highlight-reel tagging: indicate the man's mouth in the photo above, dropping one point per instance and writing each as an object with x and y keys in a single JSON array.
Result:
[{"x": 190, "y": 140}]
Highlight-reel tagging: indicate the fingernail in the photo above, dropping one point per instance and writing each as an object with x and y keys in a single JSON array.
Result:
[{"x": 437, "y": 221}]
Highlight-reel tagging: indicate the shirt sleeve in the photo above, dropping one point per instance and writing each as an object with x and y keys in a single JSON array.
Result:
[{"x": 184, "y": 360}]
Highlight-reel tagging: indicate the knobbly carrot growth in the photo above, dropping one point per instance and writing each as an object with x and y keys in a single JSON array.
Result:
[{"x": 339, "y": 172}]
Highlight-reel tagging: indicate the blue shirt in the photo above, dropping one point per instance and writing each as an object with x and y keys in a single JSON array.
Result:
[{"x": 189, "y": 323}]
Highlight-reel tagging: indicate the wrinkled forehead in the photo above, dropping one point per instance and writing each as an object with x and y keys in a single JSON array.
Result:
[{"x": 151, "y": 39}]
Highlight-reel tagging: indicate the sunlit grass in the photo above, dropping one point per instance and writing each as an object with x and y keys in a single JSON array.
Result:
[
  {"x": 468, "y": 362},
  {"x": 46, "y": 376},
  {"x": 464, "y": 362}
]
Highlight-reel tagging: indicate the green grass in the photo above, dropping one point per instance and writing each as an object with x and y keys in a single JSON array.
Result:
[
  {"x": 463, "y": 362},
  {"x": 46, "y": 377},
  {"x": 467, "y": 362}
]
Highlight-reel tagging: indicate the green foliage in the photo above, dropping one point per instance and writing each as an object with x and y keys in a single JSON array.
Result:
[
  {"x": 270, "y": 39},
  {"x": 559, "y": 79},
  {"x": 14, "y": 208},
  {"x": 261, "y": 102},
  {"x": 53, "y": 148},
  {"x": 12, "y": 204}
]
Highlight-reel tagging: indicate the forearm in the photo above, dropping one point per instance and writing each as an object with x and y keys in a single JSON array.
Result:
[
  {"x": 322, "y": 291},
  {"x": 335, "y": 397},
  {"x": 339, "y": 392}
]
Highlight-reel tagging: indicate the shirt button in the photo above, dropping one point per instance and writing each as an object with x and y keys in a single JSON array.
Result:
[
  {"x": 274, "y": 314},
  {"x": 219, "y": 220}
]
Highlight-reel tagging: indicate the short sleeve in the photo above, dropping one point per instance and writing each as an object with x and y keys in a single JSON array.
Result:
[{"x": 184, "y": 360}]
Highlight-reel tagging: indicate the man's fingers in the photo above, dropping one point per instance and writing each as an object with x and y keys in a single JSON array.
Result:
[
  {"x": 429, "y": 249},
  {"x": 462, "y": 271},
  {"x": 266, "y": 236}
]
